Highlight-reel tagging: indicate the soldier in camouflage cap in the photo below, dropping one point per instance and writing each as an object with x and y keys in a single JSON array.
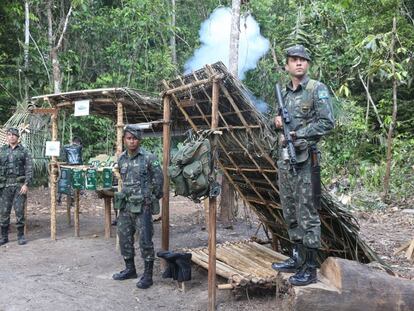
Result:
[
  {"x": 142, "y": 182},
  {"x": 311, "y": 117},
  {"x": 15, "y": 176}
]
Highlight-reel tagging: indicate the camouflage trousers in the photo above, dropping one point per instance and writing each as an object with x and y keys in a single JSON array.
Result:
[
  {"x": 301, "y": 216},
  {"x": 9, "y": 197},
  {"x": 128, "y": 224}
]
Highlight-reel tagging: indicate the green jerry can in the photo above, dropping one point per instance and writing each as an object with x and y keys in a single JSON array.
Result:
[
  {"x": 90, "y": 179},
  {"x": 107, "y": 178},
  {"x": 78, "y": 179},
  {"x": 65, "y": 180}
]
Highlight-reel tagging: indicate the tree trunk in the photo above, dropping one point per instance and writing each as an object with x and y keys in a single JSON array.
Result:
[
  {"x": 227, "y": 204},
  {"x": 234, "y": 38},
  {"x": 26, "y": 49},
  {"x": 172, "y": 39},
  {"x": 394, "y": 115}
]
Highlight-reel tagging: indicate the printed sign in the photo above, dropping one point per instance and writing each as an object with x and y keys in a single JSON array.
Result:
[
  {"x": 52, "y": 148},
  {"x": 82, "y": 108}
]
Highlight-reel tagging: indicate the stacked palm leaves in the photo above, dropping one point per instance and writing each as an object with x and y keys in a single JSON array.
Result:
[
  {"x": 243, "y": 154},
  {"x": 33, "y": 134}
]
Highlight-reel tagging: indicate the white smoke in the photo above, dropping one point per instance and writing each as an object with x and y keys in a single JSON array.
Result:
[{"x": 215, "y": 42}]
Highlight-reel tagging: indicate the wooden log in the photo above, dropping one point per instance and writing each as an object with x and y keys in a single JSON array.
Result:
[
  {"x": 354, "y": 286},
  {"x": 76, "y": 213},
  {"x": 233, "y": 275},
  {"x": 166, "y": 141},
  {"x": 225, "y": 286}
]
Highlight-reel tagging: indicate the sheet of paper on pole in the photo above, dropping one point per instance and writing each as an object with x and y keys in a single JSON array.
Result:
[
  {"x": 82, "y": 107},
  {"x": 52, "y": 148}
]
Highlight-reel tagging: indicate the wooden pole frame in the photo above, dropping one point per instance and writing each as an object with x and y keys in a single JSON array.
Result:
[
  {"x": 165, "y": 216},
  {"x": 53, "y": 178},
  {"x": 212, "y": 229}
]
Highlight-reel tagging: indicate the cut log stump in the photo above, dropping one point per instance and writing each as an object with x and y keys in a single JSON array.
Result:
[
  {"x": 348, "y": 285},
  {"x": 409, "y": 250}
]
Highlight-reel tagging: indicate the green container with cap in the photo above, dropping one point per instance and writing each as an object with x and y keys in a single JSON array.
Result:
[
  {"x": 107, "y": 178},
  {"x": 78, "y": 179},
  {"x": 65, "y": 180},
  {"x": 90, "y": 179}
]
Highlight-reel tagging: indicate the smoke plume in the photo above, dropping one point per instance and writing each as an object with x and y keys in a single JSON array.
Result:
[{"x": 215, "y": 42}]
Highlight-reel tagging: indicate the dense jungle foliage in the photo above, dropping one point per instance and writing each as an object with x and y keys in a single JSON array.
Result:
[{"x": 127, "y": 43}]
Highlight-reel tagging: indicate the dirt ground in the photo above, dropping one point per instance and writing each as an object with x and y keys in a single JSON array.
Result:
[{"x": 75, "y": 273}]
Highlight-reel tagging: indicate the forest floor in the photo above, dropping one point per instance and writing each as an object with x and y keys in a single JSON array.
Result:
[{"x": 75, "y": 273}]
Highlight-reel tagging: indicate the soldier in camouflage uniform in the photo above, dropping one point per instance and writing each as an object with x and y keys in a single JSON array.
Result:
[
  {"x": 142, "y": 182},
  {"x": 310, "y": 110},
  {"x": 15, "y": 176}
]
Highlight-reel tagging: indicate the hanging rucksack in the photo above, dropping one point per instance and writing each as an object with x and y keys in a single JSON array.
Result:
[{"x": 190, "y": 168}]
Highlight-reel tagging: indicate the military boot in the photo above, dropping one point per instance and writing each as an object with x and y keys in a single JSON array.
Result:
[
  {"x": 4, "y": 235},
  {"x": 183, "y": 262},
  {"x": 307, "y": 274},
  {"x": 128, "y": 273},
  {"x": 171, "y": 271},
  {"x": 293, "y": 263},
  {"x": 21, "y": 240},
  {"x": 146, "y": 279}
]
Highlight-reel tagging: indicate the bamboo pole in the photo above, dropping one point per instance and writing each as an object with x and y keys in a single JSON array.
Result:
[
  {"x": 166, "y": 139},
  {"x": 68, "y": 213},
  {"x": 213, "y": 211},
  {"x": 193, "y": 84},
  {"x": 53, "y": 178},
  {"x": 119, "y": 135},
  {"x": 107, "y": 202},
  {"x": 76, "y": 213}
]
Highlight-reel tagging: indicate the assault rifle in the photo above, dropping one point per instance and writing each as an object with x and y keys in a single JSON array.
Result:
[{"x": 289, "y": 148}]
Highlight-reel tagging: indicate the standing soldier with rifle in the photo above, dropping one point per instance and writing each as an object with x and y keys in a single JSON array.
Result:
[
  {"x": 142, "y": 182},
  {"x": 15, "y": 176},
  {"x": 305, "y": 116}
]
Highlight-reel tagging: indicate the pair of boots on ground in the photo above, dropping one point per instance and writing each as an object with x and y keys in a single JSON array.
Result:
[
  {"x": 130, "y": 273},
  {"x": 21, "y": 240},
  {"x": 303, "y": 263},
  {"x": 179, "y": 265}
]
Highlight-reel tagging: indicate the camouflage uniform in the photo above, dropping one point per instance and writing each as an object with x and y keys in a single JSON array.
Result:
[
  {"x": 142, "y": 186},
  {"x": 15, "y": 170},
  {"x": 312, "y": 117}
]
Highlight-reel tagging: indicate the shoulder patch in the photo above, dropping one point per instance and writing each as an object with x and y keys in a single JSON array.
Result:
[{"x": 323, "y": 94}]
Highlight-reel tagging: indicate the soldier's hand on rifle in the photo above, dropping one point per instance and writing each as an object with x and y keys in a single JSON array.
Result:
[
  {"x": 278, "y": 122},
  {"x": 23, "y": 189},
  {"x": 283, "y": 141}
]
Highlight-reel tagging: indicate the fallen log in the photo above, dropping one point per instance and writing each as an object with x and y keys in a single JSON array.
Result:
[{"x": 353, "y": 286}]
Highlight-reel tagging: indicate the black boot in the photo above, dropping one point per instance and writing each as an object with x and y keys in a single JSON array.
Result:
[
  {"x": 183, "y": 262},
  {"x": 146, "y": 279},
  {"x": 128, "y": 273},
  {"x": 292, "y": 264},
  {"x": 21, "y": 240},
  {"x": 307, "y": 274},
  {"x": 172, "y": 268},
  {"x": 4, "y": 235}
]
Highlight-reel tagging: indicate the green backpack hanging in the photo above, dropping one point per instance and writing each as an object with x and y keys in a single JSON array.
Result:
[{"x": 190, "y": 169}]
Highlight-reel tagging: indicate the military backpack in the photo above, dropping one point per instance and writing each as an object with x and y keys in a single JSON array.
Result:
[{"x": 190, "y": 169}]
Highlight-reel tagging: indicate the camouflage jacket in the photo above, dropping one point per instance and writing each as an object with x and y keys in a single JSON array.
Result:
[
  {"x": 310, "y": 110},
  {"x": 142, "y": 178},
  {"x": 16, "y": 164}
]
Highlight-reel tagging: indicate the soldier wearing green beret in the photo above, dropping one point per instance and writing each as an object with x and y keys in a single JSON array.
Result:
[
  {"x": 311, "y": 117},
  {"x": 15, "y": 176},
  {"x": 142, "y": 182}
]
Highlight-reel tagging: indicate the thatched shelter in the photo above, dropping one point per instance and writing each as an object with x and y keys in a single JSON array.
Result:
[
  {"x": 243, "y": 155},
  {"x": 123, "y": 105}
]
